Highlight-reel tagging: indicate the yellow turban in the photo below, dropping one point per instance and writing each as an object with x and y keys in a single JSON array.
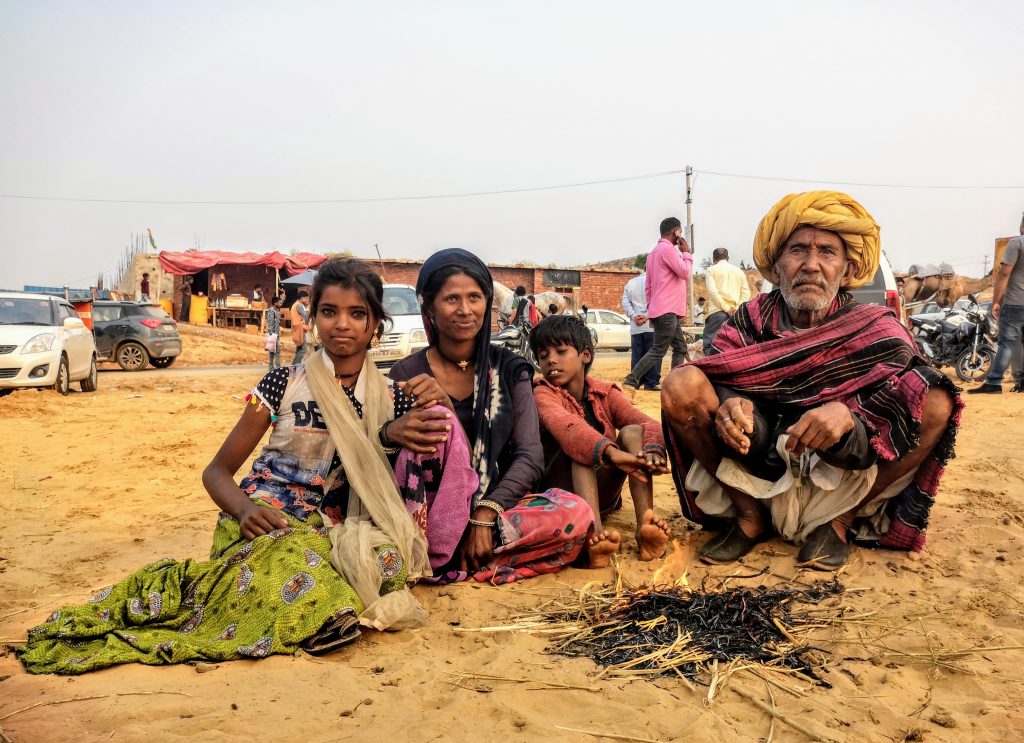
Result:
[{"x": 826, "y": 210}]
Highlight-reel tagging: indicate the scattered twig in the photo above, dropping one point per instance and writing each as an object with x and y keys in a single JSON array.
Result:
[
  {"x": 87, "y": 699},
  {"x": 784, "y": 719},
  {"x": 39, "y": 606},
  {"x": 612, "y": 736},
  {"x": 462, "y": 675}
]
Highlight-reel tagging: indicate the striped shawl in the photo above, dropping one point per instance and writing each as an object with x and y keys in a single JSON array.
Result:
[{"x": 861, "y": 356}]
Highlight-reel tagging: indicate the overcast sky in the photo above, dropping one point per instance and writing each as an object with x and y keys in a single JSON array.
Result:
[{"x": 249, "y": 101}]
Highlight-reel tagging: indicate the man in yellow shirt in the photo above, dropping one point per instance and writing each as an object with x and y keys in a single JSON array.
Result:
[{"x": 727, "y": 289}]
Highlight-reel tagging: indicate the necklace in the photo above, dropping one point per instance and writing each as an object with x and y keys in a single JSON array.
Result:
[{"x": 463, "y": 365}]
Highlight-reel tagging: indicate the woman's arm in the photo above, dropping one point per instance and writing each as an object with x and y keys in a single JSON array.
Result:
[
  {"x": 527, "y": 464},
  {"x": 477, "y": 549},
  {"x": 219, "y": 475}
]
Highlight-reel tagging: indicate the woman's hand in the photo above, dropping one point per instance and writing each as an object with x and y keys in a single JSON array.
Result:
[
  {"x": 427, "y": 391},
  {"x": 420, "y": 430},
  {"x": 477, "y": 548},
  {"x": 255, "y": 520}
]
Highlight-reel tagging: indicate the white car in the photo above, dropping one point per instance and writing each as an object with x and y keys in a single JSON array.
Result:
[
  {"x": 609, "y": 329},
  {"x": 44, "y": 343},
  {"x": 406, "y": 333}
]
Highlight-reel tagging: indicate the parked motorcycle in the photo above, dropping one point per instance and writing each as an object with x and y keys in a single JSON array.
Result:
[
  {"x": 515, "y": 337},
  {"x": 964, "y": 340}
]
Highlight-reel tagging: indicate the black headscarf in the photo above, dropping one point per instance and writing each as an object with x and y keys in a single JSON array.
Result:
[{"x": 493, "y": 424}]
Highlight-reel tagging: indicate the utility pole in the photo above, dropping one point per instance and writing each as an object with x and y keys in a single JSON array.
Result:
[
  {"x": 985, "y": 273},
  {"x": 381, "y": 260},
  {"x": 689, "y": 236}
]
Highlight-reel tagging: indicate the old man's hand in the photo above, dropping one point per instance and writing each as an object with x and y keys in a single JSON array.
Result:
[
  {"x": 734, "y": 423},
  {"x": 820, "y": 428}
]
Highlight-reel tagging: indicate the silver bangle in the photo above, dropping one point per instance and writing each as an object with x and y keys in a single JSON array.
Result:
[
  {"x": 477, "y": 522},
  {"x": 496, "y": 507}
]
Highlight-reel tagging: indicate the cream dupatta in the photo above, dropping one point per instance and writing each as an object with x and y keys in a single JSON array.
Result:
[{"x": 376, "y": 514}]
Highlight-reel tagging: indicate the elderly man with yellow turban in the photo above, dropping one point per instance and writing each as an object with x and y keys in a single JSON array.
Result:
[{"x": 813, "y": 417}]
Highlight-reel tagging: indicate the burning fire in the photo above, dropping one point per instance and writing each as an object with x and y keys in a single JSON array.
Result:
[{"x": 677, "y": 562}]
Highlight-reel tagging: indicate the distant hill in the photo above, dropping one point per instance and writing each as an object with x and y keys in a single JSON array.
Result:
[{"x": 616, "y": 264}]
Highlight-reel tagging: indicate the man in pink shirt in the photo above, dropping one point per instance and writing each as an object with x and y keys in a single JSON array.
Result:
[{"x": 668, "y": 269}]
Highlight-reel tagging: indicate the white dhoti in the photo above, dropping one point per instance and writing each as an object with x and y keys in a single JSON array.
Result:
[{"x": 810, "y": 492}]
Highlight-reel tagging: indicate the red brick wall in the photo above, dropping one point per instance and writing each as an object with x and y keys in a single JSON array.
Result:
[{"x": 600, "y": 288}]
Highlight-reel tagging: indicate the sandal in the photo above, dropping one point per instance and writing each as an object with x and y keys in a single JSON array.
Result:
[
  {"x": 338, "y": 631},
  {"x": 823, "y": 550},
  {"x": 730, "y": 545}
]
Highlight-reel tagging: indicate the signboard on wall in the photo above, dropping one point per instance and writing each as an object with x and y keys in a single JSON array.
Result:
[{"x": 561, "y": 277}]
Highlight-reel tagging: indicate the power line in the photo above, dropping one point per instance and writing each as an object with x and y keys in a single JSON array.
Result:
[
  {"x": 497, "y": 192},
  {"x": 369, "y": 200},
  {"x": 856, "y": 183}
]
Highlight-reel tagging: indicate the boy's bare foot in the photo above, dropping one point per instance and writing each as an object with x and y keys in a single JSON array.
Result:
[
  {"x": 601, "y": 546},
  {"x": 652, "y": 535}
]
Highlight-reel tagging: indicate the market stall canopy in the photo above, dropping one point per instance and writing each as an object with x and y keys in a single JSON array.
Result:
[
  {"x": 193, "y": 261},
  {"x": 302, "y": 279}
]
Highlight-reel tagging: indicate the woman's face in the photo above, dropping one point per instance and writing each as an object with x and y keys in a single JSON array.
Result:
[
  {"x": 344, "y": 321},
  {"x": 459, "y": 308}
]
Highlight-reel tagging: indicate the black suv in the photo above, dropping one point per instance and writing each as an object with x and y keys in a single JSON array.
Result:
[{"x": 133, "y": 334}]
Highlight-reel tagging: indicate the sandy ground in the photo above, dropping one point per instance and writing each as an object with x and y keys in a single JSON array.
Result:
[{"x": 97, "y": 485}]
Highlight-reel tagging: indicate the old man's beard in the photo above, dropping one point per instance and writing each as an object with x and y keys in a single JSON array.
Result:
[{"x": 816, "y": 302}]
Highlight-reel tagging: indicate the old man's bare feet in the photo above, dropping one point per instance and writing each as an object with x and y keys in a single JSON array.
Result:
[
  {"x": 652, "y": 535},
  {"x": 601, "y": 546}
]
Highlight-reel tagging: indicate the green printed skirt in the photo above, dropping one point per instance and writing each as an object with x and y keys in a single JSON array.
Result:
[{"x": 272, "y": 595}]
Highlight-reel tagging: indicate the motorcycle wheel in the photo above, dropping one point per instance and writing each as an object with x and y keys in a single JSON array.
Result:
[
  {"x": 528, "y": 355},
  {"x": 977, "y": 371}
]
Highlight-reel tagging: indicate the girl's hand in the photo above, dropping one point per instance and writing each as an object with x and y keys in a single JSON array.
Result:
[
  {"x": 477, "y": 549},
  {"x": 255, "y": 521},
  {"x": 634, "y": 465},
  {"x": 420, "y": 430},
  {"x": 427, "y": 391}
]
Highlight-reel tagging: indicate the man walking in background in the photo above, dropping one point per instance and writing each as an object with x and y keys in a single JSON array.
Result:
[
  {"x": 144, "y": 288},
  {"x": 300, "y": 325},
  {"x": 641, "y": 334},
  {"x": 668, "y": 269},
  {"x": 186, "y": 298},
  {"x": 1008, "y": 309},
  {"x": 727, "y": 289}
]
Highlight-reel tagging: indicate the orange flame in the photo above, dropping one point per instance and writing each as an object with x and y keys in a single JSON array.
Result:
[{"x": 677, "y": 562}]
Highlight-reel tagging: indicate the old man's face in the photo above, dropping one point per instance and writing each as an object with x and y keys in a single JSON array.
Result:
[{"x": 810, "y": 269}]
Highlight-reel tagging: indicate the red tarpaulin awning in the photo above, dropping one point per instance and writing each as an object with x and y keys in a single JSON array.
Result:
[{"x": 194, "y": 261}]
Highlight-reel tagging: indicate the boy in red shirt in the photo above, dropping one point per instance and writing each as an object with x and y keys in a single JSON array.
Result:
[{"x": 594, "y": 438}]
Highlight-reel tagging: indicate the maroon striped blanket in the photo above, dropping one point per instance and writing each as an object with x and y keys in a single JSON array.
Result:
[{"x": 860, "y": 355}]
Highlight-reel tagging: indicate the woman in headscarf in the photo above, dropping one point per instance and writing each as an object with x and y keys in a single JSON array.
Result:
[{"x": 510, "y": 533}]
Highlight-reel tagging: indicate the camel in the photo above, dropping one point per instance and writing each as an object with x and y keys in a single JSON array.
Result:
[
  {"x": 941, "y": 289},
  {"x": 504, "y": 301}
]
